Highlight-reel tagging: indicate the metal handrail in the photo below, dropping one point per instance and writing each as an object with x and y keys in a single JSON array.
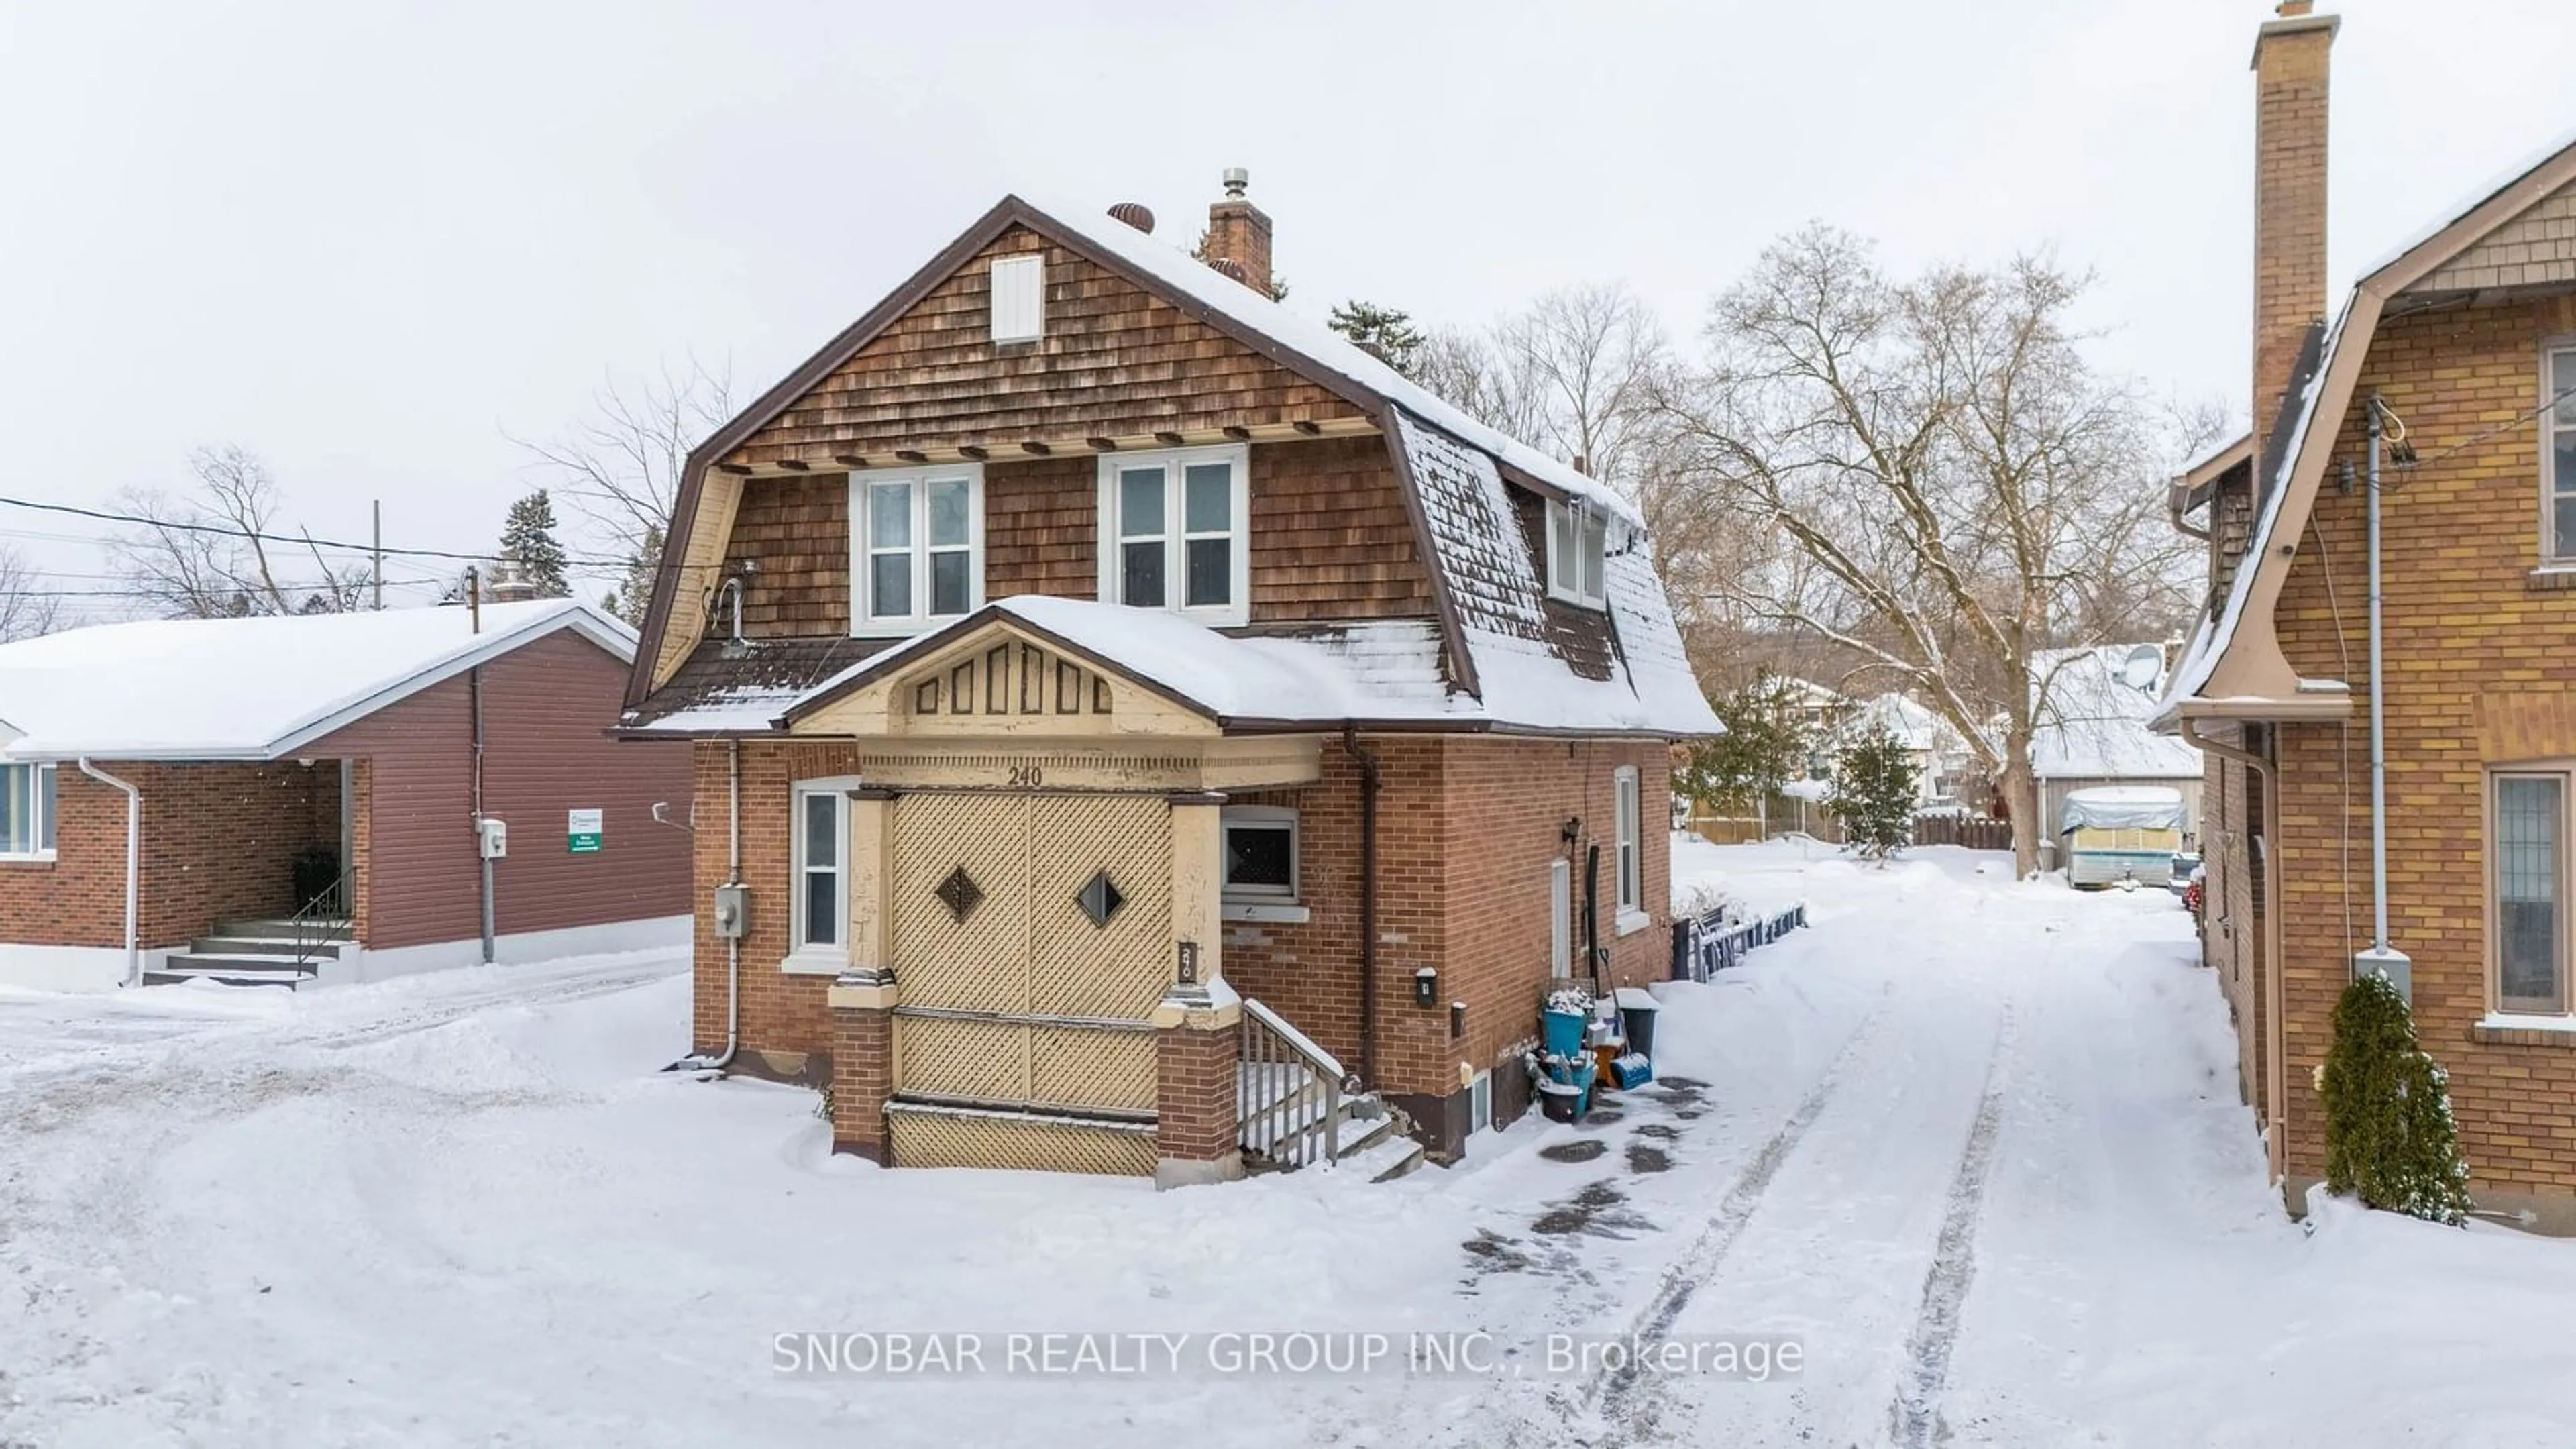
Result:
[
  {"x": 305, "y": 926},
  {"x": 1288, "y": 1092}
]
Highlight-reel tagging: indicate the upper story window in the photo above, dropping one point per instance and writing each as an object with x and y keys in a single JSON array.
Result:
[
  {"x": 917, "y": 547},
  {"x": 1173, "y": 532},
  {"x": 26, "y": 812},
  {"x": 2558, "y": 454},
  {"x": 1576, "y": 539}
]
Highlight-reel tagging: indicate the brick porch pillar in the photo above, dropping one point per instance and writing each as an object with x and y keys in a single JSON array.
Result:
[
  {"x": 862, "y": 1063},
  {"x": 1198, "y": 1023},
  {"x": 862, "y": 999}
]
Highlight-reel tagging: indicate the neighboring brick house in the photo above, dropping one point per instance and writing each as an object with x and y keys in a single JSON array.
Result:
[
  {"x": 2459, "y": 354},
  {"x": 291, "y": 799},
  {"x": 1102, "y": 674}
]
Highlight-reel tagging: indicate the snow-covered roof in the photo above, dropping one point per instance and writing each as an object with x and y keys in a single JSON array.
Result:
[
  {"x": 2092, "y": 714},
  {"x": 251, "y": 689},
  {"x": 1205, "y": 285},
  {"x": 1375, "y": 671},
  {"x": 1914, "y": 726}
]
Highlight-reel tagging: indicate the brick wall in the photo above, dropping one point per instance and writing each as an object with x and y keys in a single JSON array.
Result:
[
  {"x": 2472, "y": 638},
  {"x": 78, "y": 898},
  {"x": 780, "y": 1013},
  {"x": 1194, "y": 1093}
]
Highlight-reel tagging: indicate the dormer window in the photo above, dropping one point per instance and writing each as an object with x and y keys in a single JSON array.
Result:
[{"x": 1576, "y": 538}]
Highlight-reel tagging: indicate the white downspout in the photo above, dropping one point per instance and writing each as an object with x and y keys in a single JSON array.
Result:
[
  {"x": 2381, "y": 958},
  {"x": 733, "y": 944},
  {"x": 133, "y": 865}
]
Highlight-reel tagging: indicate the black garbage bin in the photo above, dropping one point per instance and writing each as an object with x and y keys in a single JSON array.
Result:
[{"x": 1637, "y": 1020}]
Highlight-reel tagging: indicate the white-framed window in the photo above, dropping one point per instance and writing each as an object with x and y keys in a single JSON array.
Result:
[
  {"x": 1174, "y": 532},
  {"x": 1261, "y": 859},
  {"x": 1019, "y": 299},
  {"x": 1631, "y": 849},
  {"x": 2558, "y": 454},
  {"x": 1577, "y": 537},
  {"x": 916, "y": 547},
  {"x": 2529, "y": 872},
  {"x": 27, "y": 812},
  {"x": 819, "y": 875}
]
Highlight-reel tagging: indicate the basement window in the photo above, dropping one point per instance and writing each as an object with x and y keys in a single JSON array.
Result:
[
  {"x": 1260, "y": 850},
  {"x": 1175, "y": 532},
  {"x": 27, "y": 812},
  {"x": 1019, "y": 299},
  {"x": 917, "y": 548},
  {"x": 1577, "y": 538}
]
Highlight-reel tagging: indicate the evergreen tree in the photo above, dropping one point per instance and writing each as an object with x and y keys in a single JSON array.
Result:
[
  {"x": 528, "y": 540},
  {"x": 631, "y": 598},
  {"x": 2390, "y": 1140},
  {"x": 1873, "y": 794},
  {"x": 1764, "y": 747},
  {"x": 1383, "y": 332}
]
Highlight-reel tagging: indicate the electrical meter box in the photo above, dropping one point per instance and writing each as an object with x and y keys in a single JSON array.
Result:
[
  {"x": 493, "y": 836},
  {"x": 732, "y": 912}
]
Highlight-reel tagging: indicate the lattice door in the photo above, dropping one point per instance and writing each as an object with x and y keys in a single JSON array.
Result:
[{"x": 1052, "y": 914}]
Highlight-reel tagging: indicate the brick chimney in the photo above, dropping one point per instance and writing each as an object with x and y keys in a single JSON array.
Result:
[
  {"x": 2290, "y": 65},
  {"x": 1239, "y": 233}
]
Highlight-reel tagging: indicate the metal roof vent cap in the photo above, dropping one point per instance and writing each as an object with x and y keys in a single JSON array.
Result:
[
  {"x": 1135, "y": 214},
  {"x": 1236, "y": 179}
]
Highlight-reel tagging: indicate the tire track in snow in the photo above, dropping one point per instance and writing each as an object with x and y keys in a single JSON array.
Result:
[
  {"x": 1914, "y": 1414},
  {"x": 1701, "y": 1259}
]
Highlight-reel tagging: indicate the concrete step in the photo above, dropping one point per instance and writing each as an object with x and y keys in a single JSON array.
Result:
[
  {"x": 183, "y": 968},
  {"x": 282, "y": 947},
  {"x": 276, "y": 926},
  {"x": 235, "y": 961}
]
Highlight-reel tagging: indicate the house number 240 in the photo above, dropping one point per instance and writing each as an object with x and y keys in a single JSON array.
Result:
[{"x": 1027, "y": 777}]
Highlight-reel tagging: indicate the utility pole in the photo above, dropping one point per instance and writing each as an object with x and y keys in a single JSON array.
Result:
[
  {"x": 474, "y": 595},
  {"x": 378, "y": 509}
]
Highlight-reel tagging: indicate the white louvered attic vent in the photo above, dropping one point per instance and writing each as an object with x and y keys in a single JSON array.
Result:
[{"x": 1019, "y": 299}]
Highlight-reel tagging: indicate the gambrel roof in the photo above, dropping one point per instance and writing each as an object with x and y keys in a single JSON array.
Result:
[
  {"x": 1490, "y": 639},
  {"x": 2234, "y": 668}
]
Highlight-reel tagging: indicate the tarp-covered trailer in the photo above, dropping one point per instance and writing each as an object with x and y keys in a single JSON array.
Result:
[{"x": 2121, "y": 835}]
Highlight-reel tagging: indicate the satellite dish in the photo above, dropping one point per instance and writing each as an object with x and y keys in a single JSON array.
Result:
[{"x": 2144, "y": 669}]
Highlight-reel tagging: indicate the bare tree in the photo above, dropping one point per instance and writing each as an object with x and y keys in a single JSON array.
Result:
[
  {"x": 1576, "y": 374},
  {"x": 221, "y": 552},
  {"x": 1951, "y": 487},
  {"x": 27, "y": 609},
  {"x": 620, "y": 466}
]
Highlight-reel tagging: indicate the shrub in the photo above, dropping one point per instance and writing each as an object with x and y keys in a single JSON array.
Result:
[{"x": 2390, "y": 1140}]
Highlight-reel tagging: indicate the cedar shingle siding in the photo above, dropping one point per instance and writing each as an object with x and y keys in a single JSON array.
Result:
[{"x": 1116, "y": 361}]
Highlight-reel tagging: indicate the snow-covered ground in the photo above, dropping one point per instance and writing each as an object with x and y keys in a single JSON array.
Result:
[{"x": 1974, "y": 1145}]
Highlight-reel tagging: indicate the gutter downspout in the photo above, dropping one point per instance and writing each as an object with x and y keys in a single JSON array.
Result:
[
  {"x": 2276, "y": 1076},
  {"x": 133, "y": 866},
  {"x": 1369, "y": 783},
  {"x": 2381, "y": 958},
  {"x": 474, "y": 692},
  {"x": 699, "y": 1062},
  {"x": 2178, "y": 504}
]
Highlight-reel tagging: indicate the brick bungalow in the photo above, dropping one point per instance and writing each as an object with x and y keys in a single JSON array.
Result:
[
  {"x": 1105, "y": 678},
  {"x": 2449, "y": 375},
  {"x": 284, "y": 800}
]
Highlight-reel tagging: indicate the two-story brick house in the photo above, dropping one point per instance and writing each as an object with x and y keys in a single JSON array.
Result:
[
  {"x": 2452, "y": 363},
  {"x": 1094, "y": 663}
]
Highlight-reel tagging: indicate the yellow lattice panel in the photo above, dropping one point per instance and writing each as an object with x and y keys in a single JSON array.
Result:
[
  {"x": 979, "y": 963},
  {"x": 932, "y": 1138},
  {"x": 1112, "y": 970},
  {"x": 976, "y": 1060},
  {"x": 1091, "y": 1067}
]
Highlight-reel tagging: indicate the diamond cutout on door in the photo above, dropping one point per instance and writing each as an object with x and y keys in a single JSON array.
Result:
[
  {"x": 960, "y": 893},
  {"x": 1100, "y": 899}
]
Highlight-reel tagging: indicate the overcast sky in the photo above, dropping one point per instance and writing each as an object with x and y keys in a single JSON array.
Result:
[{"x": 362, "y": 240}]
